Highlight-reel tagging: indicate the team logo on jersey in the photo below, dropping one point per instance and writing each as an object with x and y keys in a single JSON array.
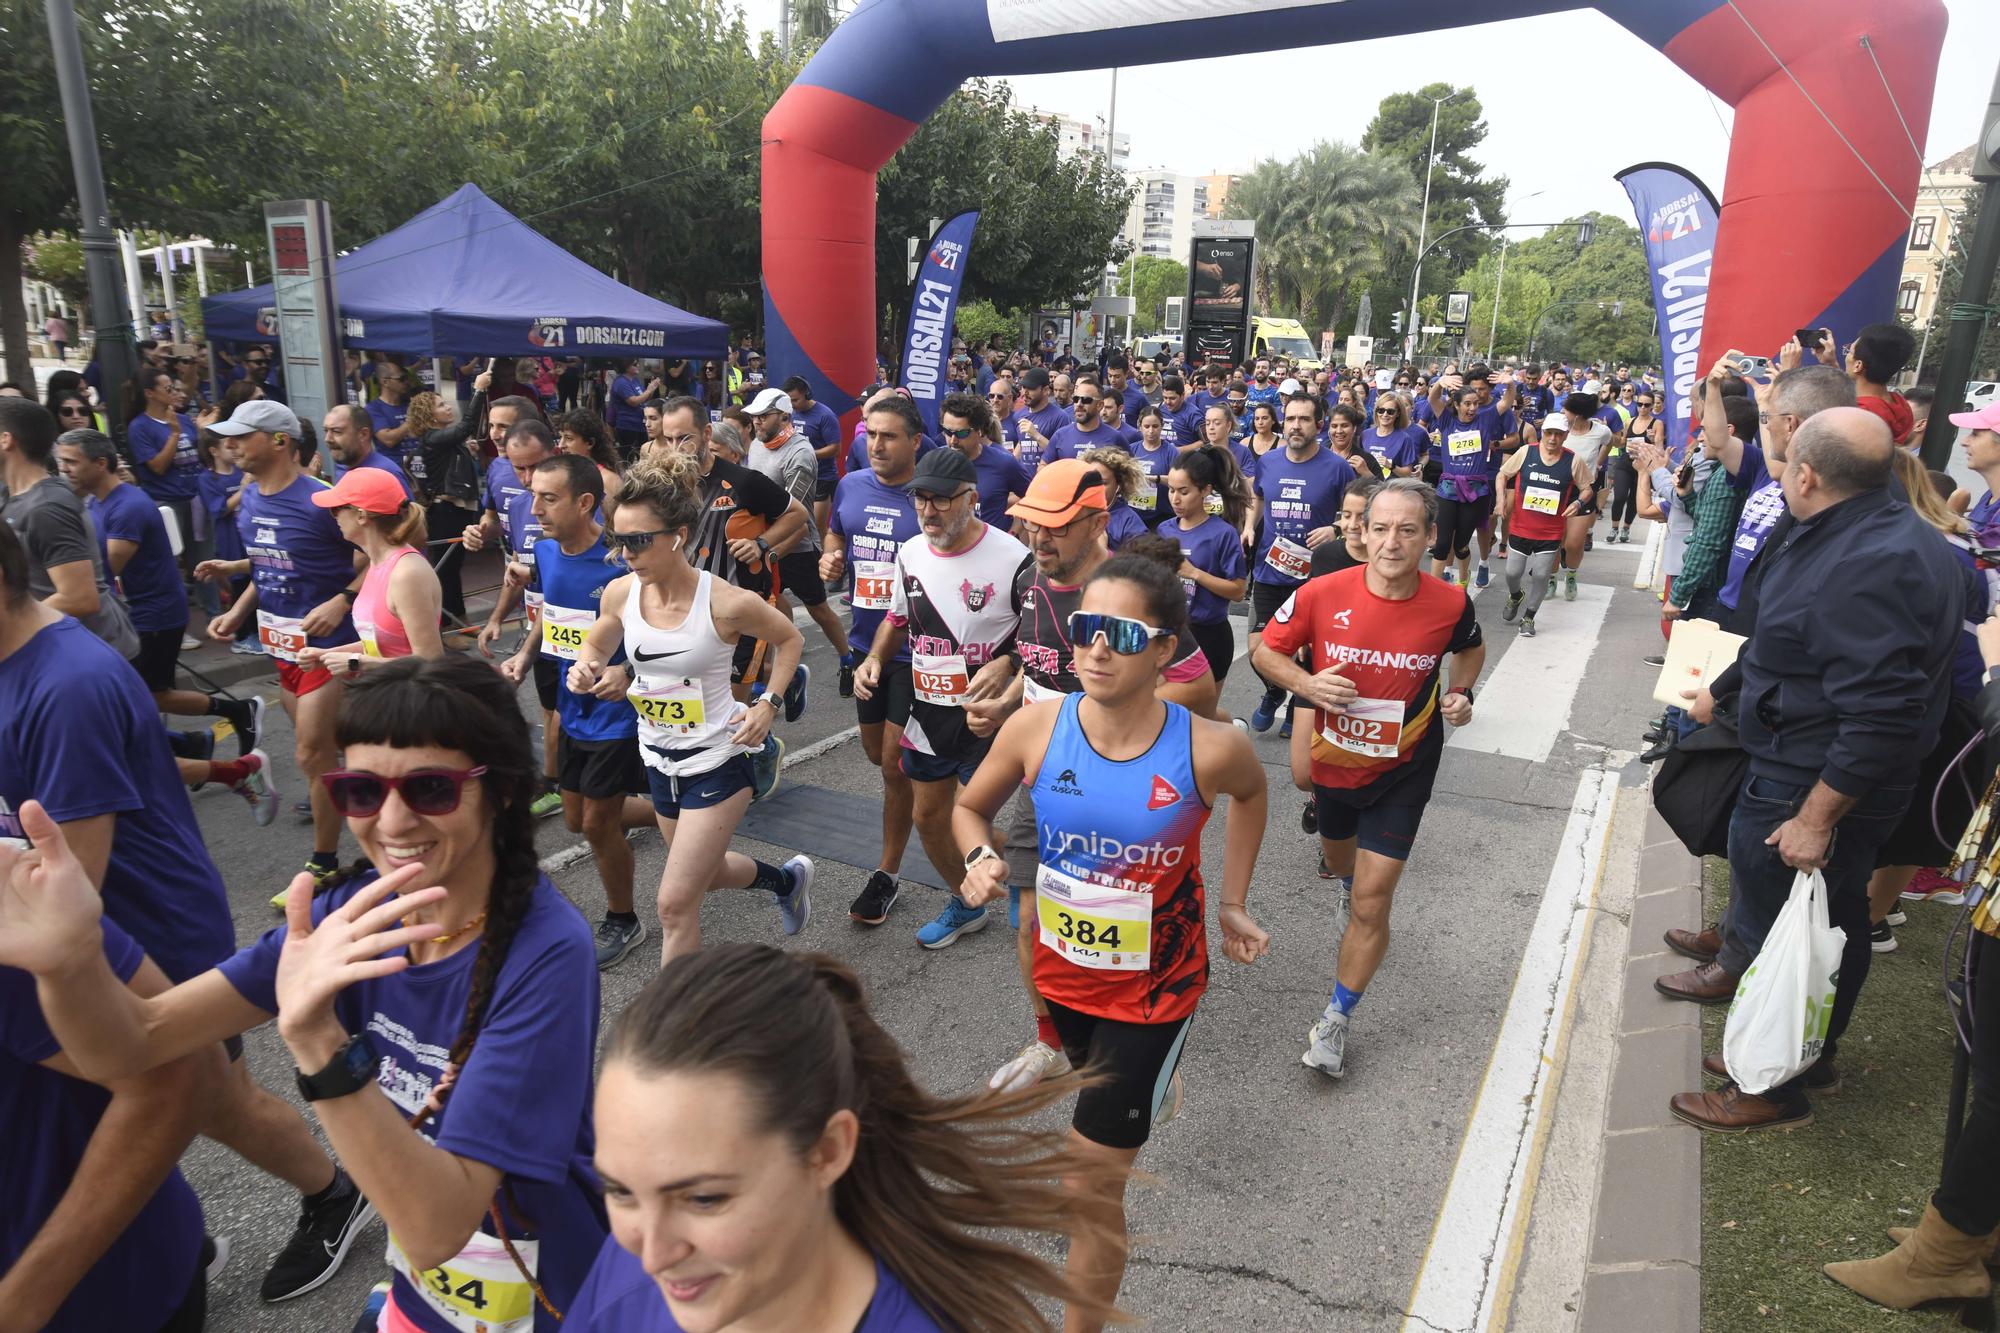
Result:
[
  {"x": 975, "y": 598},
  {"x": 1283, "y": 614},
  {"x": 1340, "y": 618},
  {"x": 1066, "y": 783},
  {"x": 1164, "y": 794}
]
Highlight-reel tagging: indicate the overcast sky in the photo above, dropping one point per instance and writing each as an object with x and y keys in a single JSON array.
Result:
[{"x": 1204, "y": 116}]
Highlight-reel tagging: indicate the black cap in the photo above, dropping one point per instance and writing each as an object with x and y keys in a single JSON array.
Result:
[
  {"x": 1034, "y": 377},
  {"x": 942, "y": 472}
]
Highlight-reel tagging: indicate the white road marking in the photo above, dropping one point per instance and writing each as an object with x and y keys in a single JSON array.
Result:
[
  {"x": 1525, "y": 701},
  {"x": 1467, "y": 1276}
]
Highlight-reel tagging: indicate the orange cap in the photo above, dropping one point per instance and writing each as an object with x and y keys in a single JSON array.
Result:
[
  {"x": 1060, "y": 491},
  {"x": 371, "y": 488}
]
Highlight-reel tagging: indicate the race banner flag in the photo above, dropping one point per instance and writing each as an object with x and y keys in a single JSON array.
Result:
[
  {"x": 1677, "y": 221},
  {"x": 933, "y": 306}
]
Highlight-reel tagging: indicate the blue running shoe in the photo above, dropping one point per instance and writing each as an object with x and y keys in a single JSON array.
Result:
[
  {"x": 1481, "y": 577},
  {"x": 956, "y": 919},
  {"x": 796, "y": 907},
  {"x": 795, "y": 693},
  {"x": 1266, "y": 711}
]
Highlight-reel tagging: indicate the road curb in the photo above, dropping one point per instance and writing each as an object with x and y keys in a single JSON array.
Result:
[{"x": 1644, "y": 1268}]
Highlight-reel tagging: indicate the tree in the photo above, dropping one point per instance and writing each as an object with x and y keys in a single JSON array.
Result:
[
  {"x": 1951, "y": 286},
  {"x": 1152, "y": 281},
  {"x": 58, "y": 261},
  {"x": 812, "y": 22},
  {"x": 979, "y": 320}
]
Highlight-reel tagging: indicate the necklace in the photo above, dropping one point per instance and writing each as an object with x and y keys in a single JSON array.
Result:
[{"x": 473, "y": 924}]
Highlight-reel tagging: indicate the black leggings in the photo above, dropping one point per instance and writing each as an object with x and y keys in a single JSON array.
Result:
[
  {"x": 1624, "y": 493},
  {"x": 1969, "y": 1198},
  {"x": 1458, "y": 524},
  {"x": 1218, "y": 644},
  {"x": 193, "y": 1312}
]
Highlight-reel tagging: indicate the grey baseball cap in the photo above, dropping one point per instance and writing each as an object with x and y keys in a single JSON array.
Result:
[{"x": 260, "y": 414}]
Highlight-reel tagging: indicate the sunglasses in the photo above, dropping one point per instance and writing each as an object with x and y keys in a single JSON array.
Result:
[
  {"x": 74, "y": 410},
  {"x": 426, "y": 791},
  {"x": 1120, "y": 634},
  {"x": 964, "y": 433},
  {"x": 1081, "y": 399},
  {"x": 633, "y": 541}
]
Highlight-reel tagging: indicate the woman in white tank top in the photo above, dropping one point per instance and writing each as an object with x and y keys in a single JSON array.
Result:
[{"x": 678, "y": 627}]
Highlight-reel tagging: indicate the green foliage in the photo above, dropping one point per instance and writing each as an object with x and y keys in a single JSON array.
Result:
[
  {"x": 58, "y": 261},
  {"x": 1460, "y": 191},
  {"x": 1151, "y": 281},
  {"x": 979, "y": 320}
]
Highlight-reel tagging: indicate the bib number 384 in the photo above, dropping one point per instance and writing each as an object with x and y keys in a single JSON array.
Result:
[
  {"x": 1094, "y": 925},
  {"x": 480, "y": 1289}
]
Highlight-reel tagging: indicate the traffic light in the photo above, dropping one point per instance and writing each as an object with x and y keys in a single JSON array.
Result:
[{"x": 1396, "y": 322}]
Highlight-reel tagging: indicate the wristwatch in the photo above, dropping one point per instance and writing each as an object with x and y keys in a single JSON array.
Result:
[
  {"x": 978, "y": 854},
  {"x": 1465, "y": 690},
  {"x": 351, "y": 1069}
]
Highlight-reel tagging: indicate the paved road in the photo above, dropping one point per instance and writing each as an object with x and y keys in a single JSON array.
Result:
[{"x": 1283, "y": 1200}]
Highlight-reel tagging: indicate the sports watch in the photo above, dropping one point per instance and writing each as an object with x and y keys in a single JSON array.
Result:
[
  {"x": 978, "y": 854},
  {"x": 352, "y": 1068}
]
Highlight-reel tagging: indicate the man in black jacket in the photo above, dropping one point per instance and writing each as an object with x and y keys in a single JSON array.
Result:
[{"x": 1840, "y": 693}]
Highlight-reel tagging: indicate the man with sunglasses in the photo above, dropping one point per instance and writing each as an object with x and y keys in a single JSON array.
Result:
[
  {"x": 967, "y": 426},
  {"x": 1378, "y": 636},
  {"x": 258, "y": 368},
  {"x": 955, "y": 603},
  {"x": 1089, "y": 430}
]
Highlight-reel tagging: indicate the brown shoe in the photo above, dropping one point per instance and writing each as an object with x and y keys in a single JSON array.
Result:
[
  {"x": 1821, "y": 1077},
  {"x": 1707, "y": 984},
  {"x": 1933, "y": 1262},
  {"x": 1730, "y": 1110},
  {"x": 1701, "y": 945}
]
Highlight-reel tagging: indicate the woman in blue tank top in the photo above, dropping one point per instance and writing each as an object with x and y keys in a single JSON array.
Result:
[{"x": 1122, "y": 784}]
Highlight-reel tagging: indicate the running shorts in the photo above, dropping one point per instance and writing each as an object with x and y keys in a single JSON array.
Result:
[
  {"x": 298, "y": 682},
  {"x": 891, "y": 701},
  {"x": 600, "y": 770},
  {"x": 159, "y": 652},
  {"x": 798, "y": 575},
  {"x": 547, "y": 679},
  {"x": 1138, "y": 1061},
  {"x": 698, "y": 791}
]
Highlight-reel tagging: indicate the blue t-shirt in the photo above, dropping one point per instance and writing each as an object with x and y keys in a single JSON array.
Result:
[
  {"x": 1072, "y": 442},
  {"x": 1213, "y": 547},
  {"x": 385, "y": 415},
  {"x": 999, "y": 474},
  {"x": 151, "y": 581},
  {"x": 297, "y": 556},
  {"x": 624, "y": 416},
  {"x": 1298, "y": 497},
  {"x": 819, "y": 424},
  {"x": 1182, "y": 427},
  {"x": 875, "y": 520},
  {"x": 509, "y": 496},
  {"x": 147, "y": 437},
  {"x": 1133, "y": 403},
  {"x": 214, "y": 489},
  {"x": 46, "y": 1121},
  {"x": 575, "y": 583},
  {"x": 80, "y": 734},
  {"x": 1158, "y": 462},
  {"x": 522, "y": 1101},
  {"x": 1122, "y": 524},
  {"x": 1265, "y": 393},
  {"x": 1048, "y": 421},
  {"x": 622, "y": 1297},
  {"x": 379, "y": 458},
  {"x": 1469, "y": 456}
]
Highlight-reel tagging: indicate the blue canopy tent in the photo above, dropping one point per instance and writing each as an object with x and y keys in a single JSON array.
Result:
[{"x": 467, "y": 278}]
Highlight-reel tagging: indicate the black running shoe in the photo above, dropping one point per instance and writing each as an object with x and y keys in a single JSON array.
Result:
[
  {"x": 319, "y": 1244},
  {"x": 872, "y": 907},
  {"x": 795, "y": 693},
  {"x": 246, "y": 716},
  {"x": 1309, "y": 818},
  {"x": 847, "y": 665}
]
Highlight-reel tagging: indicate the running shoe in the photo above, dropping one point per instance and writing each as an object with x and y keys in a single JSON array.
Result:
[
  {"x": 795, "y": 693},
  {"x": 956, "y": 919},
  {"x": 1170, "y": 1105},
  {"x": 189, "y": 643},
  {"x": 319, "y": 1243},
  {"x": 247, "y": 648},
  {"x": 322, "y": 876},
  {"x": 548, "y": 803},
  {"x": 215, "y": 1251},
  {"x": 1513, "y": 607},
  {"x": 1325, "y": 870},
  {"x": 1309, "y": 818},
  {"x": 1266, "y": 711},
  {"x": 246, "y": 717},
  {"x": 847, "y": 664},
  {"x": 1569, "y": 585},
  {"x": 1449, "y": 576},
  {"x": 615, "y": 939},
  {"x": 1654, "y": 659},
  {"x": 1897, "y": 917},
  {"x": 872, "y": 907},
  {"x": 1036, "y": 1062},
  {"x": 1552, "y": 585},
  {"x": 255, "y": 787},
  {"x": 765, "y": 766},
  {"x": 198, "y": 744},
  {"x": 1285, "y": 727},
  {"x": 1934, "y": 886},
  {"x": 796, "y": 907},
  {"x": 1327, "y": 1051},
  {"x": 1481, "y": 576},
  {"x": 303, "y": 811},
  {"x": 1590, "y": 541},
  {"x": 1527, "y": 627},
  {"x": 1881, "y": 939}
]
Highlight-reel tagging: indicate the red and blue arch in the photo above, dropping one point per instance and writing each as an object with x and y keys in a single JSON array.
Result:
[{"x": 1807, "y": 235}]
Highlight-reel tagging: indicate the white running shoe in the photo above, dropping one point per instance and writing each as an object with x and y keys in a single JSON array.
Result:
[
  {"x": 1328, "y": 1051},
  {"x": 256, "y": 788},
  {"x": 1036, "y": 1062}
]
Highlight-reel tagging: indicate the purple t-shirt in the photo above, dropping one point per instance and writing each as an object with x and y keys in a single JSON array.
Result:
[
  {"x": 379, "y": 458},
  {"x": 80, "y": 734},
  {"x": 819, "y": 424},
  {"x": 622, "y": 1296},
  {"x": 1400, "y": 448},
  {"x": 1182, "y": 427},
  {"x": 508, "y": 496},
  {"x": 522, "y": 1101},
  {"x": 1213, "y": 547},
  {"x": 151, "y": 581},
  {"x": 214, "y": 489},
  {"x": 1157, "y": 462},
  {"x": 1298, "y": 497},
  {"x": 1048, "y": 421},
  {"x": 1073, "y": 442},
  {"x": 1985, "y": 520},
  {"x": 1760, "y": 514},
  {"x": 1467, "y": 452},
  {"x": 297, "y": 556},
  {"x": 385, "y": 415},
  {"x": 1122, "y": 524},
  {"x": 875, "y": 520},
  {"x": 46, "y": 1121},
  {"x": 147, "y": 437},
  {"x": 624, "y": 416},
  {"x": 999, "y": 474}
]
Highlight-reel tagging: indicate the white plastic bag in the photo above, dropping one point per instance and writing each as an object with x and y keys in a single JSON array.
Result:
[{"x": 1777, "y": 1022}]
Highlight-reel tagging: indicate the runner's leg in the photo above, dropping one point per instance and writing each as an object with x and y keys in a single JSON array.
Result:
[
  {"x": 934, "y": 803},
  {"x": 265, "y": 1132},
  {"x": 313, "y": 716},
  {"x": 1540, "y": 565},
  {"x": 698, "y": 861},
  {"x": 602, "y": 823}
]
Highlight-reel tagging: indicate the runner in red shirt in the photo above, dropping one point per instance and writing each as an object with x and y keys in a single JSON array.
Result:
[{"x": 1377, "y": 635}]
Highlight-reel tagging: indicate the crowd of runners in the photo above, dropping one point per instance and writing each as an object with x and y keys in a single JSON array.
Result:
[{"x": 1031, "y": 608}]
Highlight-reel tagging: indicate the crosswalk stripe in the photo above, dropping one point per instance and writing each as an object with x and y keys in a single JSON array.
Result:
[{"x": 1530, "y": 693}]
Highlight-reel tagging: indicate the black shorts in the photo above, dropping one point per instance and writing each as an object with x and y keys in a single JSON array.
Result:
[
  {"x": 920, "y": 767},
  {"x": 548, "y": 674},
  {"x": 600, "y": 770},
  {"x": 798, "y": 575},
  {"x": 891, "y": 702},
  {"x": 1457, "y": 522},
  {"x": 1265, "y": 599},
  {"x": 159, "y": 650},
  {"x": 823, "y": 488},
  {"x": 1532, "y": 545},
  {"x": 1384, "y": 815},
  {"x": 698, "y": 791},
  {"x": 1137, "y": 1061},
  {"x": 1218, "y": 643}
]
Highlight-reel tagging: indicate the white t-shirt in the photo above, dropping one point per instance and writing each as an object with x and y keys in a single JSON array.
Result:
[{"x": 1590, "y": 443}]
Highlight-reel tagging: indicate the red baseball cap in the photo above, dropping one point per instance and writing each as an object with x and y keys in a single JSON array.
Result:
[{"x": 371, "y": 488}]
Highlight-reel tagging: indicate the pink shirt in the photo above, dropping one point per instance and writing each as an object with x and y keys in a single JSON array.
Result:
[{"x": 382, "y": 634}]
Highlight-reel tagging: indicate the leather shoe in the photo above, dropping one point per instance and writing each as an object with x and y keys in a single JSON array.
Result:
[
  {"x": 1654, "y": 737},
  {"x": 1708, "y": 984},
  {"x": 1654, "y": 659},
  {"x": 1730, "y": 1110},
  {"x": 1820, "y": 1077},
  {"x": 1661, "y": 749},
  {"x": 1701, "y": 945}
]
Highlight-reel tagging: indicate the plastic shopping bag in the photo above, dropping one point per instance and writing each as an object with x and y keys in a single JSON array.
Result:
[{"x": 1777, "y": 1022}]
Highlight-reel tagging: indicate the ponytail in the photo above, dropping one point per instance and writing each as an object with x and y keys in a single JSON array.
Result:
[
  {"x": 1214, "y": 468},
  {"x": 407, "y": 528}
]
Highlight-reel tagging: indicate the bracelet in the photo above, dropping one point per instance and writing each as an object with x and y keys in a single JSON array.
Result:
[{"x": 1242, "y": 906}]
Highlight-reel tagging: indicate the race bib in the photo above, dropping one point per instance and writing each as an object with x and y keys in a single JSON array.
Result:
[
  {"x": 1094, "y": 925},
  {"x": 1147, "y": 498},
  {"x": 939, "y": 679},
  {"x": 1037, "y": 694},
  {"x": 564, "y": 629},
  {"x": 481, "y": 1290},
  {"x": 1541, "y": 500},
  {"x": 1463, "y": 442},
  {"x": 1213, "y": 504},
  {"x": 282, "y": 636},
  {"x": 675, "y": 705},
  {"x": 1381, "y": 461},
  {"x": 1370, "y": 727},
  {"x": 532, "y": 600},
  {"x": 874, "y": 584},
  {"x": 366, "y": 629},
  {"x": 1289, "y": 558}
]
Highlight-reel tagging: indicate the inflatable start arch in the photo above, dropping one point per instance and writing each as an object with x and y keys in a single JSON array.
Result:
[{"x": 1808, "y": 235}]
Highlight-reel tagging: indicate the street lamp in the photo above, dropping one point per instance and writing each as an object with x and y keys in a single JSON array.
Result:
[
  {"x": 1499, "y": 282},
  {"x": 1423, "y": 222}
]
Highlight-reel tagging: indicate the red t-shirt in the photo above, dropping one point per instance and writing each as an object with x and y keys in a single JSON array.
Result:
[
  {"x": 1896, "y": 410},
  {"x": 1391, "y": 651}
]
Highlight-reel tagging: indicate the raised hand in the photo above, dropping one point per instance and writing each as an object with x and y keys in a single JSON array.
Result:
[{"x": 357, "y": 941}]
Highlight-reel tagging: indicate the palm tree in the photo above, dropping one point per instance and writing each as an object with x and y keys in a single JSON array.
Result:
[{"x": 813, "y": 20}]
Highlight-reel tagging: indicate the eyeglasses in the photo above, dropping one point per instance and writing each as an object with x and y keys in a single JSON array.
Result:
[
  {"x": 73, "y": 410},
  {"x": 1081, "y": 399},
  {"x": 1121, "y": 635},
  {"x": 633, "y": 541},
  {"x": 925, "y": 500},
  {"x": 426, "y": 791},
  {"x": 963, "y": 433}
]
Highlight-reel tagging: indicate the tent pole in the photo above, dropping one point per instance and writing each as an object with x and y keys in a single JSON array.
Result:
[{"x": 438, "y": 378}]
